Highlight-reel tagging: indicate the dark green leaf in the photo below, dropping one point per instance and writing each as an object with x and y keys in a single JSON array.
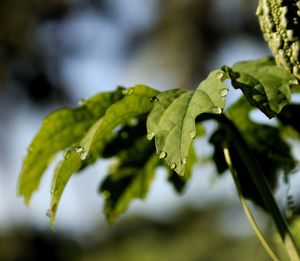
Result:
[
  {"x": 264, "y": 84},
  {"x": 129, "y": 177}
]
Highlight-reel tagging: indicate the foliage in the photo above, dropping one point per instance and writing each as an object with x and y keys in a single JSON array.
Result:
[{"x": 142, "y": 129}]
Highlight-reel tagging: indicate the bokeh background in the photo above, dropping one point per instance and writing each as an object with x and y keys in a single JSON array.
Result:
[{"x": 55, "y": 52}]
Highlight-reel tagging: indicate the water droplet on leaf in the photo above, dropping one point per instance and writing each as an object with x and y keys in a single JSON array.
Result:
[
  {"x": 128, "y": 91},
  {"x": 53, "y": 192},
  {"x": 294, "y": 81},
  {"x": 83, "y": 155},
  {"x": 162, "y": 154},
  {"x": 217, "y": 110},
  {"x": 81, "y": 152},
  {"x": 173, "y": 165},
  {"x": 223, "y": 92},
  {"x": 154, "y": 99},
  {"x": 78, "y": 149},
  {"x": 183, "y": 161},
  {"x": 150, "y": 136},
  {"x": 67, "y": 155},
  {"x": 219, "y": 75},
  {"x": 192, "y": 134}
]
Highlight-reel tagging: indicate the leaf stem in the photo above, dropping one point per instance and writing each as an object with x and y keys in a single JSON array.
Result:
[
  {"x": 261, "y": 183},
  {"x": 247, "y": 211}
]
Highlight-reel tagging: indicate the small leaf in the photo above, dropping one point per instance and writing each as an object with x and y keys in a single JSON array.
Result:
[
  {"x": 172, "y": 120},
  {"x": 58, "y": 131},
  {"x": 265, "y": 85},
  {"x": 136, "y": 102}
]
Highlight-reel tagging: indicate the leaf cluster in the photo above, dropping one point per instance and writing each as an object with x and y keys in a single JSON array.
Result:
[{"x": 142, "y": 129}]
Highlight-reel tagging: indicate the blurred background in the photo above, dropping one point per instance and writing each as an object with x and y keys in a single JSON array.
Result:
[{"x": 55, "y": 52}]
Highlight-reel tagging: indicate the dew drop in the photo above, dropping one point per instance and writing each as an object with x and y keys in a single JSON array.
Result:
[
  {"x": 183, "y": 161},
  {"x": 78, "y": 149},
  {"x": 173, "y": 165},
  {"x": 127, "y": 91},
  {"x": 67, "y": 155},
  {"x": 217, "y": 110},
  {"x": 162, "y": 154},
  {"x": 81, "y": 102},
  {"x": 81, "y": 152},
  {"x": 219, "y": 75},
  {"x": 130, "y": 91},
  {"x": 223, "y": 92},
  {"x": 150, "y": 136},
  {"x": 53, "y": 192},
  {"x": 294, "y": 81},
  {"x": 83, "y": 155},
  {"x": 154, "y": 99},
  {"x": 192, "y": 134}
]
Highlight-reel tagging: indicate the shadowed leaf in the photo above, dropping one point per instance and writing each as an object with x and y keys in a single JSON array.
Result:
[{"x": 264, "y": 84}]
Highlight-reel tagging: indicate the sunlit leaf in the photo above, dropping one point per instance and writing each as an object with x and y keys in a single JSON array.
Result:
[
  {"x": 136, "y": 102},
  {"x": 59, "y": 131},
  {"x": 172, "y": 120}
]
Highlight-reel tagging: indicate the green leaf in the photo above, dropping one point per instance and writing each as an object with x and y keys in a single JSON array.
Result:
[
  {"x": 172, "y": 120},
  {"x": 129, "y": 178},
  {"x": 136, "y": 102},
  {"x": 58, "y": 131},
  {"x": 264, "y": 84}
]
